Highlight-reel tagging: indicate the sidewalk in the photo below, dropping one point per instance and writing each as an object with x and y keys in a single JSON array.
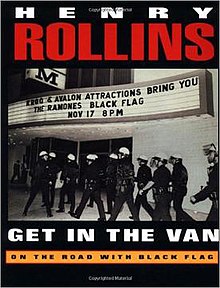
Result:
[{"x": 17, "y": 199}]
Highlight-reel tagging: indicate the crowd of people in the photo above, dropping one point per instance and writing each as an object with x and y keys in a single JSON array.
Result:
[{"x": 120, "y": 181}]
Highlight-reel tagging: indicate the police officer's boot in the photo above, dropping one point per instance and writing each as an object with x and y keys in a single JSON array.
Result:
[
  {"x": 60, "y": 210},
  {"x": 49, "y": 214}
]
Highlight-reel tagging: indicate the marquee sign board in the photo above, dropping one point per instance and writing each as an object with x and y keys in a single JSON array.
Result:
[
  {"x": 51, "y": 77},
  {"x": 183, "y": 95}
]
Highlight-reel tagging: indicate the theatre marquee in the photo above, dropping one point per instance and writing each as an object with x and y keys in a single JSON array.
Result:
[{"x": 183, "y": 95}]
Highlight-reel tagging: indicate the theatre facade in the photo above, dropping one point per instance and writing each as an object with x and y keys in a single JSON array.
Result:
[{"x": 85, "y": 111}]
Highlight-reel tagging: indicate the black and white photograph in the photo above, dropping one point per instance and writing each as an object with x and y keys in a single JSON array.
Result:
[{"x": 113, "y": 144}]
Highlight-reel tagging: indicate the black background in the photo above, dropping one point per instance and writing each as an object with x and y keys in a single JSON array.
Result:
[
  {"x": 77, "y": 275},
  {"x": 47, "y": 12},
  {"x": 199, "y": 275}
]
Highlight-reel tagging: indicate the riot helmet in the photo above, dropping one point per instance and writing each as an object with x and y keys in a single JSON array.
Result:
[
  {"x": 52, "y": 155},
  {"x": 142, "y": 159},
  {"x": 159, "y": 159},
  {"x": 113, "y": 156},
  {"x": 91, "y": 158},
  {"x": 43, "y": 155},
  {"x": 71, "y": 157},
  {"x": 174, "y": 158},
  {"x": 211, "y": 152},
  {"x": 123, "y": 152}
]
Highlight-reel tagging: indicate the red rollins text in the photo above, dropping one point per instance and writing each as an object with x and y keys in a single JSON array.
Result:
[{"x": 64, "y": 41}]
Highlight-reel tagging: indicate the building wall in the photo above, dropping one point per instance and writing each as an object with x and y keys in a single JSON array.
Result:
[{"x": 185, "y": 136}]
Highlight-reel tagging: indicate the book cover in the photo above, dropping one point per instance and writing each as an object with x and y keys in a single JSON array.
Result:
[{"x": 109, "y": 120}]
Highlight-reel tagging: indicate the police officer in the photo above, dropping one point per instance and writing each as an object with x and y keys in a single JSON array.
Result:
[
  {"x": 53, "y": 170},
  {"x": 68, "y": 176},
  {"x": 179, "y": 186},
  {"x": 40, "y": 181},
  {"x": 144, "y": 175},
  {"x": 92, "y": 188},
  {"x": 160, "y": 184},
  {"x": 124, "y": 185},
  {"x": 111, "y": 181},
  {"x": 211, "y": 191}
]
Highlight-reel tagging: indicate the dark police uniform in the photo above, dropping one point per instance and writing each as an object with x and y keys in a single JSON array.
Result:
[
  {"x": 211, "y": 191},
  {"x": 111, "y": 184},
  {"x": 69, "y": 174},
  {"x": 179, "y": 184},
  {"x": 144, "y": 175},
  {"x": 24, "y": 173},
  {"x": 91, "y": 202},
  {"x": 92, "y": 180},
  {"x": 161, "y": 179},
  {"x": 124, "y": 188},
  {"x": 53, "y": 170},
  {"x": 40, "y": 182}
]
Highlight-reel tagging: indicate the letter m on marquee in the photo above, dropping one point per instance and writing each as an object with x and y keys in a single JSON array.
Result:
[{"x": 47, "y": 76}]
